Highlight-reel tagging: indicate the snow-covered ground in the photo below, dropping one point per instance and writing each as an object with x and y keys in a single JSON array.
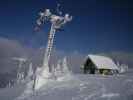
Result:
[{"x": 77, "y": 87}]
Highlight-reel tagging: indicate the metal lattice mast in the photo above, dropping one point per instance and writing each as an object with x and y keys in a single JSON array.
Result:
[
  {"x": 49, "y": 46},
  {"x": 57, "y": 23}
]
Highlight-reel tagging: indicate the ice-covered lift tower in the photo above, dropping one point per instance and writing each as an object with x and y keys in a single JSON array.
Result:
[{"x": 57, "y": 22}]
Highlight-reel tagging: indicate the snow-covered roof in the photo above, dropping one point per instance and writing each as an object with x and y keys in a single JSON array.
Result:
[{"x": 103, "y": 62}]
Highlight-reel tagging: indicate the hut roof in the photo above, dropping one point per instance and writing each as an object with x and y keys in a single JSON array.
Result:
[{"x": 102, "y": 62}]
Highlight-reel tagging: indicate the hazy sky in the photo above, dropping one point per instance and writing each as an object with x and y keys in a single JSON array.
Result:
[{"x": 97, "y": 26}]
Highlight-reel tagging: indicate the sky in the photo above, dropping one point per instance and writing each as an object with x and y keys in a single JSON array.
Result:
[{"x": 97, "y": 25}]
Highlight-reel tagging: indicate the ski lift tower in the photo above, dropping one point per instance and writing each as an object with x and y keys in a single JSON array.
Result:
[{"x": 57, "y": 22}]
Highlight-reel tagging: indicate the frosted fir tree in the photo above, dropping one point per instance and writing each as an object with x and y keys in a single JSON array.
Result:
[
  {"x": 123, "y": 68},
  {"x": 9, "y": 84},
  {"x": 118, "y": 64},
  {"x": 53, "y": 72},
  {"x": 58, "y": 69},
  {"x": 20, "y": 77},
  {"x": 29, "y": 80},
  {"x": 65, "y": 68},
  {"x": 20, "y": 74},
  {"x": 30, "y": 72},
  {"x": 61, "y": 71}
]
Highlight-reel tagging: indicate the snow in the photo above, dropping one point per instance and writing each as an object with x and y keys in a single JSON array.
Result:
[
  {"x": 42, "y": 77},
  {"x": 122, "y": 67},
  {"x": 110, "y": 95},
  {"x": 69, "y": 86},
  {"x": 30, "y": 72},
  {"x": 77, "y": 87},
  {"x": 103, "y": 62}
]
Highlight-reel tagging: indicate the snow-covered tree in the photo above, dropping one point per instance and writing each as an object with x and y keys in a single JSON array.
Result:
[
  {"x": 123, "y": 68},
  {"x": 30, "y": 72},
  {"x": 65, "y": 68},
  {"x": 20, "y": 77},
  {"x": 58, "y": 69}
]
